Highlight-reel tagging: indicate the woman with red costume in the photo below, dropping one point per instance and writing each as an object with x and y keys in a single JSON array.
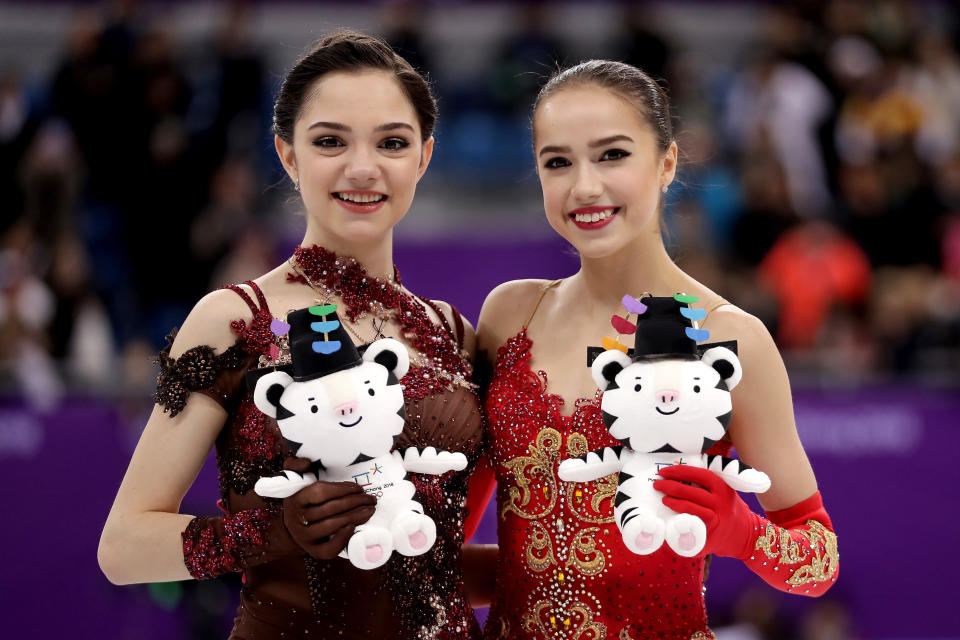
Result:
[
  {"x": 605, "y": 156},
  {"x": 353, "y": 129}
]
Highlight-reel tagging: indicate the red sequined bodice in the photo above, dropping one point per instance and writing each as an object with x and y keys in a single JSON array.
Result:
[{"x": 563, "y": 571}]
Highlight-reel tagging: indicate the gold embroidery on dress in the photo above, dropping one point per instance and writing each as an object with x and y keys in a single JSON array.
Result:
[
  {"x": 584, "y": 554},
  {"x": 577, "y": 445},
  {"x": 826, "y": 557},
  {"x": 540, "y": 463},
  {"x": 575, "y": 624},
  {"x": 540, "y": 550},
  {"x": 604, "y": 488}
]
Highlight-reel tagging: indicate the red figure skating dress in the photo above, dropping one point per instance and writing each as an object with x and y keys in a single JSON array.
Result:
[{"x": 563, "y": 570}]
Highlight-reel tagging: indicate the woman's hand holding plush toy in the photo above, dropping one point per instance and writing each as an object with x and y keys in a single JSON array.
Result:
[
  {"x": 793, "y": 549},
  {"x": 702, "y": 493},
  {"x": 322, "y": 516}
]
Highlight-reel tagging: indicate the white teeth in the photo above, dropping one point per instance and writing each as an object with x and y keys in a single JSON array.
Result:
[
  {"x": 593, "y": 217},
  {"x": 361, "y": 198}
]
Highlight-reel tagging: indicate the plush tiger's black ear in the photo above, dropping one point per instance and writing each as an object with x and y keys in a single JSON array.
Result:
[
  {"x": 607, "y": 365},
  {"x": 267, "y": 393},
  {"x": 389, "y": 353},
  {"x": 726, "y": 364}
]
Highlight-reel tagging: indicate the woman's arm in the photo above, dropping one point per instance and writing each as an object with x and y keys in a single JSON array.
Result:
[
  {"x": 141, "y": 540},
  {"x": 794, "y": 548}
]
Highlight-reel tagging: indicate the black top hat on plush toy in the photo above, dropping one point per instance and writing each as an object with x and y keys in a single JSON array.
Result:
[
  {"x": 666, "y": 329},
  {"x": 319, "y": 343}
]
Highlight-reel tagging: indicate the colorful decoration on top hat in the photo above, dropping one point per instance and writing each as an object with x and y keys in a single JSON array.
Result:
[
  {"x": 667, "y": 400},
  {"x": 343, "y": 411}
]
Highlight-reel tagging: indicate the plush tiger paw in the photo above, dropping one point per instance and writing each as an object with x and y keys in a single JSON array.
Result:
[
  {"x": 429, "y": 460},
  {"x": 283, "y": 486},
  {"x": 369, "y": 547},
  {"x": 413, "y": 533},
  {"x": 686, "y": 534},
  {"x": 643, "y": 533}
]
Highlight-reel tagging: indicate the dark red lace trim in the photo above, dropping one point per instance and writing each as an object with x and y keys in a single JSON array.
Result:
[
  {"x": 196, "y": 369},
  {"x": 214, "y": 546},
  {"x": 257, "y": 337}
]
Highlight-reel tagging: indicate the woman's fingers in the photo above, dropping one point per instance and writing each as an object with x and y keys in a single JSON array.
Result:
[
  {"x": 320, "y": 492},
  {"x": 329, "y": 548},
  {"x": 708, "y": 516},
  {"x": 684, "y": 491},
  {"x": 690, "y": 474},
  {"x": 320, "y": 531},
  {"x": 336, "y": 506}
]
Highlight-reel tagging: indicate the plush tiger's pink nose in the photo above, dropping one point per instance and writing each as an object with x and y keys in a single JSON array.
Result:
[
  {"x": 346, "y": 409},
  {"x": 666, "y": 396}
]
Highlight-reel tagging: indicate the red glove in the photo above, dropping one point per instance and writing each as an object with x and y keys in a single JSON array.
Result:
[{"x": 800, "y": 555}]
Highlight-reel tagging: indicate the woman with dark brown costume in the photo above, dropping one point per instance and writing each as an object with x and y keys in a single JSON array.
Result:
[{"x": 353, "y": 128}]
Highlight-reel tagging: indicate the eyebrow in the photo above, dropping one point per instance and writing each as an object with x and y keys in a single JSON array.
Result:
[
  {"x": 336, "y": 126},
  {"x": 602, "y": 142}
]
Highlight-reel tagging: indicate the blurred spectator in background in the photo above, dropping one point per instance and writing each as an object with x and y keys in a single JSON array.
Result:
[
  {"x": 146, "y": 133},
  {"x": 811, "y": 269},
  {"x": 528, "y": 54}
]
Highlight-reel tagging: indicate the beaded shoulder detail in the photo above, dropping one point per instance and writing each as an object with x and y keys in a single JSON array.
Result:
[
  {"x": 198, "y": 368},
  {"x": 195, "y": 370}
]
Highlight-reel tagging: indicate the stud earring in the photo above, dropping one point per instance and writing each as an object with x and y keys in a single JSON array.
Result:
[
  {"x": 663, "y": 188},
  {"x": 296, "y": 185}
]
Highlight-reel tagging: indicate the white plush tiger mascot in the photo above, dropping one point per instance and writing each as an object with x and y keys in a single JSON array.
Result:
[
  {"x": 667, "y": 404},
  {"x": 344, "y": 412}
]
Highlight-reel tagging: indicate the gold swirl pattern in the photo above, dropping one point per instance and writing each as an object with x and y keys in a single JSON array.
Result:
[
  {"x": 577, "y": 445},
  {"x": 823, "y": 555},
  {"x": 605, "y": 487},
  {"x": 826, "y": 557},
  {"x": 538, "y": 465},
  {"x": 584, "y": 555},
  {"x": 574, "y": 624},
  {"x": 540, "y": 550}
]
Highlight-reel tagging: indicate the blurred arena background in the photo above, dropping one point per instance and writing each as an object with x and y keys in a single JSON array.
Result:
[{"x": 820, "y": 191}]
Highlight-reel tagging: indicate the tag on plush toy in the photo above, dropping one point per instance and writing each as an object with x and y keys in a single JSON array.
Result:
[
  {"x": 344, "y": 412},
  {"x": 667, "y": 401}
]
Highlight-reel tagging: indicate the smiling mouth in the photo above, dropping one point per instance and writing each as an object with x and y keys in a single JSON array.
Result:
[
  {"x": 359, "y": 198},
  {"x": 353, "y": 424},
  {"x": 593, "y": 214},
  {"x": 667, "y": 413}
]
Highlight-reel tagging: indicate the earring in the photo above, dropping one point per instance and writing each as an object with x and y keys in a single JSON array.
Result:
[
  {"x": 663, "y": 188},
  {"x": 296, "y": 185}
]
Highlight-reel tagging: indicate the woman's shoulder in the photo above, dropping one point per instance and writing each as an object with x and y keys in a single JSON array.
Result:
[
  {"x": 209, "y": 322},
  {"x": 727, "y": 321},
  {"x": 504, "y": 312},
  {"x": 510, "y": 294}
]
